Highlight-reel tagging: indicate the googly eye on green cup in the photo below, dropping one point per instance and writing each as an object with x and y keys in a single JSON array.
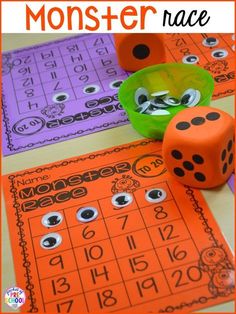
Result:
[{"x": 173, "y": 77}]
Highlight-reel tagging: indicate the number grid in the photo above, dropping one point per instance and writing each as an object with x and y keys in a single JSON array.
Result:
[{"x": 123, "y": 282}]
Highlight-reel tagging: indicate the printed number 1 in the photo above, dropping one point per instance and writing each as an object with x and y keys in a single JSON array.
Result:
[
  {"x": 62, "y": 283},
  {"x": 106, "y": 299},
  {"x": 167, "y": 233},
  {"x": 67, "y": 310}
]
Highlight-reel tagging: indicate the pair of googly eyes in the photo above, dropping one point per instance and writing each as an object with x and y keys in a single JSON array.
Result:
[
  {"x": 62, "y": 97},
  {"x": 212, "y": 42},
  {"x": 89, "y": 89},
  {"x": 87, "y": 214},
  {"x": 84, "y": 214},
  {"x": 216, "y": 54},
  {"x": 93, "y": 89},
  {"x": 124, "y": 199}
]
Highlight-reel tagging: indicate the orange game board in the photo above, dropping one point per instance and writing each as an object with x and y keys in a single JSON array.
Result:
[
  {"x": 179, "y": 46},
  {"x": 162, "y": 252}
]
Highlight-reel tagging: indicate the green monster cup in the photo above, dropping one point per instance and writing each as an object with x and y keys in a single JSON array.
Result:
[{"x": 173, "y": 77}]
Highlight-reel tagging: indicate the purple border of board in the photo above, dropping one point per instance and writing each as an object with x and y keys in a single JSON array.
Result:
[{"x": 231, "y": 182}]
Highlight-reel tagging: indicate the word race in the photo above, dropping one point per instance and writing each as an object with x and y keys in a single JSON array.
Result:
[
  {"x": 110, "y": 231},
  {"x": 68, "y": 88}
]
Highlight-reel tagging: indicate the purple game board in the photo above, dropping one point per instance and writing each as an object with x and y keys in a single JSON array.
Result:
[
  {"x": 60, "y": 90},
  {"x": 231, "y": 182}
]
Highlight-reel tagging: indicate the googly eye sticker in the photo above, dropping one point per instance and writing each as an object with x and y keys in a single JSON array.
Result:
[
  {"x": 210, "y": 42},
  {"x": 141, "y": 95},
  {"x": 144, "y": 106},
  {"x": 219, "y": 54},
  {"x": 160, "y": 93},
  {"x": 60, "y": 97},
  {"x": 91, "y": 89},
  {"x": 171, "y": 101},
  {"x": 190, "y": 59},
  {"x": 115, "y": 84},
  {"x": 121, "y": 199},
  {"x": 52, "y": 219},
  {"x": 87, "y": 214},
  {"x": 155, "y": 195},
  {"x": 190, "y": 97},
  {"x": 50, "y": 241}
]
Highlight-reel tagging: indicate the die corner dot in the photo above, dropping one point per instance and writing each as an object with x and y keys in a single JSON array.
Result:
[
  {"x": 86, "y": 214},
  {"x": 122, "y": 199},
  {"x": 155, "y": 195},
  {"x": 50, "y": 241},
  {"x": 179, "y": 171},
  {"x": 91, "y": 89},
  {"x": 52, "y": 219},
  {"x": 230, "y": 145},
  {"x": 183, "y": 125},
  {"x": 212, "y": 116},
  {"x": 176, "y": 154},
  {"x": 60, "y": 97}
]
